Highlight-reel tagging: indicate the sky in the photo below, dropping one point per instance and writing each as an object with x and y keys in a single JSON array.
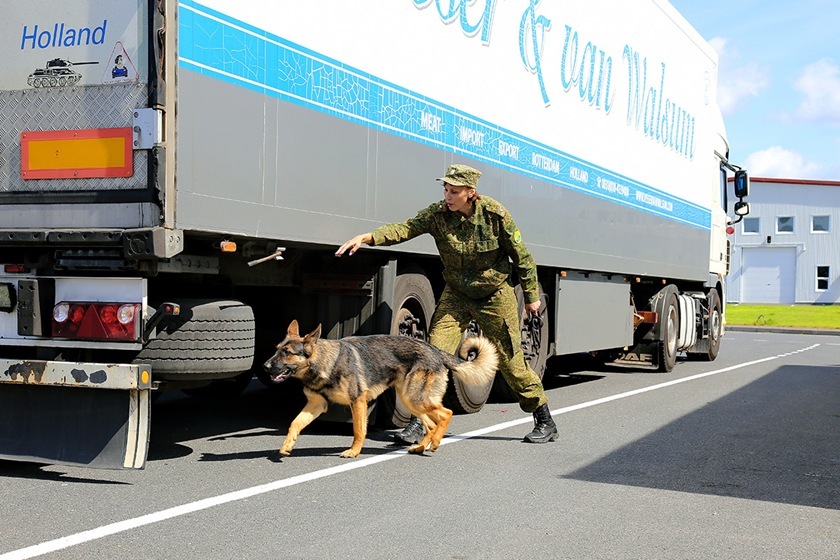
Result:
[{"x": 778, "y": 84}]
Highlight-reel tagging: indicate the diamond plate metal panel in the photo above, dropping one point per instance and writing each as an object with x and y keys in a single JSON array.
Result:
[{"x": 67, "y": 109}]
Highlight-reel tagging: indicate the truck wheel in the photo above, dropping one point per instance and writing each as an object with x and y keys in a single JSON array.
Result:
[
  {"x": 715, "y": 327},
  {"x": 669, "y": 326},
  {"x": 534, "y": 345},
  {"x": 715, "y": 324},
  {"x": 414, "y": 304},
  {"x": 209, "y": 340}
]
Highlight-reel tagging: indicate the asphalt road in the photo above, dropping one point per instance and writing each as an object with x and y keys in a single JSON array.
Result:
[{"x": 738, "y": 458}]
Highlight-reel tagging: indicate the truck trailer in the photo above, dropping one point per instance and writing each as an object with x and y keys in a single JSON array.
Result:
[{"x": 176, "y": 175}]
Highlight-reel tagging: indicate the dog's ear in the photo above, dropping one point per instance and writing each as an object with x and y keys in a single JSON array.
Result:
[
  {"x": 314, "y": 335},
  {"x": 293, "y": 328}
]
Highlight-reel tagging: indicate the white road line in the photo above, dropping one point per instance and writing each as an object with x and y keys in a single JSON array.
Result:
[{"x": 207, "y": 503}]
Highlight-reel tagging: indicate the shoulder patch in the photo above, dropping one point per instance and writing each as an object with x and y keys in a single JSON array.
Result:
[{"x": 517, "y": 237}]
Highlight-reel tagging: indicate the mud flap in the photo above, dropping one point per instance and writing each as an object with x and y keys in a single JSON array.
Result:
[
  {"x": 89, "y": 415},
  {"x": 642, "y": 355}
]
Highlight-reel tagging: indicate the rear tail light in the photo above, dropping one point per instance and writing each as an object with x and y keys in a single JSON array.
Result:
[{"x": 96, "y": 321}]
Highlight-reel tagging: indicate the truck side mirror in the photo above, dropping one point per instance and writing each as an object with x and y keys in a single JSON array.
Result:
[
  {"x": 742, "y": 208},
  {"x": 742, "y": 183}
]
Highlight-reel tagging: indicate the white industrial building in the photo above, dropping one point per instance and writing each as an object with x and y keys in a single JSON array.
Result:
[{"x": 787, "y": 250}]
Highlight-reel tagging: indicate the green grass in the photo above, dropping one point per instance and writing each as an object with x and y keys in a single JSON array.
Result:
[{"x": 807, "y": 316}]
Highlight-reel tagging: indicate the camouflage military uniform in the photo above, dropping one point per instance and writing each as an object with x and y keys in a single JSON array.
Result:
[{"x": 479, "y": 253}]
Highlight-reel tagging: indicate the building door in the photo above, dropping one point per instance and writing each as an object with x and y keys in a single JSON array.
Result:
[{"x": 768, "y": 275}]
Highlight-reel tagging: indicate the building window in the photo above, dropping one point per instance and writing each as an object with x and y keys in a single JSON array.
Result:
[
  {"x": 784, "y": 224},
  {"x": 750, "y": 225},
  {"x": 820, "y": 224},
  {"x": 822, "y": 278}
]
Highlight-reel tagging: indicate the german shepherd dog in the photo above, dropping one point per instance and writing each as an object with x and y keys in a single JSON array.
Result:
[{"x": 357, "y": 369}]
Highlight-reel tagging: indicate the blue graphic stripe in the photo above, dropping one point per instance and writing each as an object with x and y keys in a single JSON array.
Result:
[{"x": 216, "y": 45}]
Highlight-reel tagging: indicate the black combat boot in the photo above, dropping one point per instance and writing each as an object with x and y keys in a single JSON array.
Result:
[
  {"x": 413, "y": 432},
  {"x": 545, "y": 429}
]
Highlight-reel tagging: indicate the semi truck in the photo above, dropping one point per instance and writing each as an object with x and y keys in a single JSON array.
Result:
[{"x": 170, "y": 209}]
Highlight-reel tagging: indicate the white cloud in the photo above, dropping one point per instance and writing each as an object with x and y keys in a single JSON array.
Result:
[
  {"x": 778, "y": 163},
  {"x": 736, "y": 83},
  {"x": 820, "y": 85}
]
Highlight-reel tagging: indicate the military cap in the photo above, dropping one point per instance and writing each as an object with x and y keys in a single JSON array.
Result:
[{"x": 460, "y": 175}]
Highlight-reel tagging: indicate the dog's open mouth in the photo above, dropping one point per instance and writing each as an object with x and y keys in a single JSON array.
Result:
[
  {"x": 277, "y": 371},
  {"x": 281, "y": 375}
]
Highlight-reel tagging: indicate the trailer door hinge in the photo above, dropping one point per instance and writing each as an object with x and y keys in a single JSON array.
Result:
[{"x": 147, "y": 128}]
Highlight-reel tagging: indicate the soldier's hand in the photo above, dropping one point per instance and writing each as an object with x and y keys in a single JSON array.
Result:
[
  {"x": 354, "y": 244},
  {"x": 533, "y": 308}
]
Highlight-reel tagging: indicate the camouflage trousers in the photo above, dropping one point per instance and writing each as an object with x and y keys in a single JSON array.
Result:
[{"x": 498, "y": 317}]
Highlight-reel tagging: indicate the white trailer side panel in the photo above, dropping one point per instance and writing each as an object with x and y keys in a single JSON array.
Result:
[{"x": 313, "y": 121}]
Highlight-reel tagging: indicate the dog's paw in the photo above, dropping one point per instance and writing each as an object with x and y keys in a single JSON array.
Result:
[
  {"x": 275, "y": 457},
  {"x": 285, "y": 451},
  {"x": 350, "y": 453},
  {"x": 417, "y": 449}
]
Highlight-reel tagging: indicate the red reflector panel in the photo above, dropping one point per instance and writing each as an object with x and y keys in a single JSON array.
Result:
[{"x": 96, "y": 321}]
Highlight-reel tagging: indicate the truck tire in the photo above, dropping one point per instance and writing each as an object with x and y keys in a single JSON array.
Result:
[
  {"x": 715, "y": 328},
  {"x": 414, "y": 304},
  {"x": 534, "y": 345},
  {"x": 210, "y": 339},
  {"x": 668, "y": 331}
]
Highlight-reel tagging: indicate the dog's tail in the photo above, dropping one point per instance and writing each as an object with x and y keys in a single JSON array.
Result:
[{"x": 480, "y": 361}]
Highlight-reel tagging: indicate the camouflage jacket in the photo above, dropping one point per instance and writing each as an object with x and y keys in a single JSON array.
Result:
[{"x": 478, "y": 253}]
